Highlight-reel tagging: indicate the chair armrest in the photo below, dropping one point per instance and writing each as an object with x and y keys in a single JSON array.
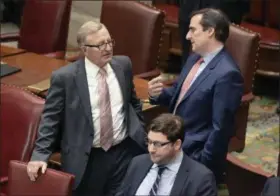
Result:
[
  {"x": 247, "y": 98},
  {"x": 3, "y": 180},
  {"x": 6, "y": 37},
  {"x": 57, "y": 54},
  {"x": 246, "y": 166},
  {"x": 149, "y": 75}
]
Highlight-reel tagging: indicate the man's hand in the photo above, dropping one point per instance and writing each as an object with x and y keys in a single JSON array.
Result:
[
  {"x": 33, "y": 168},
  {"x": 155, "y": 86}
]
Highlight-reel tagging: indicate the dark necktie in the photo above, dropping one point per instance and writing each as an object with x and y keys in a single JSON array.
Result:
[
  {"x": 155, "y": 187},
  {"x": 106, "y": 123}
]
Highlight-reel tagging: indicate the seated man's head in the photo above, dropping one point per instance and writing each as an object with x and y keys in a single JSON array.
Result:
[
  {"x": 165, "y": 137},
  {"x": 209, "y": 28},
  {"x": 96, "y": 43}
]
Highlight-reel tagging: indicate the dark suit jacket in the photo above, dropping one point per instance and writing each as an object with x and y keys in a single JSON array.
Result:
[
  {"x": 208, "y": 108},
  {"x": 193, "y": 178},
  {"x": 67, "y": 113},
  {"x": 234, "y": 9},
  {"x": 271, "y": 187}
]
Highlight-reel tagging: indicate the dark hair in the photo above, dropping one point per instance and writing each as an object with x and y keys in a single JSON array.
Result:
[
  {"x": 216, "y": 19},
  {"x": 169, "y": 125}
]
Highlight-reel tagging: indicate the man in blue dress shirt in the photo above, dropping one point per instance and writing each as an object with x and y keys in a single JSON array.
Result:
[
  {"x": 166, "y": 170},
  {"x": 207, "y": 93}
]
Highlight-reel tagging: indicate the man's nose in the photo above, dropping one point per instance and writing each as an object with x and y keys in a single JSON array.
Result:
[
  {"x": 108, "y": 47},
  {"x": 188, "y": 36},
  {"x": 151, "y": 148}
]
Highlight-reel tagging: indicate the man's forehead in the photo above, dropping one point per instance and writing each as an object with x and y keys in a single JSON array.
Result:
[
  {"x": 156, "y": 135},
  {"x": 101, "y": 35},
  {"x": 196, "y": 19}
]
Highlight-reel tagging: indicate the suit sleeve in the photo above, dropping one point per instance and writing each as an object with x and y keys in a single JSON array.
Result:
[
  {"x": 165, "y": 97},
  {"x": 50, "y": 121},
  {"x": 207, "y": 186},
  {"x": 227, "y": 98},
  {"x": 135, "y": 101}
]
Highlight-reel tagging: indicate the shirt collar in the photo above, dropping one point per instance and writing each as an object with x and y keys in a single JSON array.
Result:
[
  {"x": 174, "y": 164},
  {"x": 208, "y": 57},
  {"x": 92, "y": 69}
]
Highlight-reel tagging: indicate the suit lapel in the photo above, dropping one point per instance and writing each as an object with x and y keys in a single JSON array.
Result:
[
  {"x": 83, "y": 91},
  {"x": 203, "y": 75},
  {"x": 182, "y": 78},
  {"x": 181, "y": 177},
  {"x": 141, "y": 174},
  {"x": 119, "y": 72},
  {"x": 185, "y": 74}
]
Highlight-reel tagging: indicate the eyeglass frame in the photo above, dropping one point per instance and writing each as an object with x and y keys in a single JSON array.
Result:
[
  {"x": 112, "y": 42},
  {"x": 157, "y": 144}
]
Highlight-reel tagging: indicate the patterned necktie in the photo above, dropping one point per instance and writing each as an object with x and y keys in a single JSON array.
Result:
[
  {"x": 187, "y": 83},
  {"x": 154, "y": 189},
  {"x": 106, "y": 122}
]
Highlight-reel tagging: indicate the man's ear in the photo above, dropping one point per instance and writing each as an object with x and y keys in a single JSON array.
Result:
[
  {"x": 211, "y": 31},
  {"x": 178, "y": 144}
]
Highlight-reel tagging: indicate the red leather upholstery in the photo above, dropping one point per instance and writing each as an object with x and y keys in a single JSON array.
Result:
[
  {"x": 267, "y": 18},
  {"x": 137, "y": 30},
  {"x": 269, "y": 36},
  {"x": 243, "y": 45},
  {"x": 256, "y": 11},
  {"x": 51, "y": 183},
  {"x": 273, "y": 13},
  {"x": 44, "y": 27},
  {"x": 171, "y": 10},
  {"x": 20, "y": 116}
]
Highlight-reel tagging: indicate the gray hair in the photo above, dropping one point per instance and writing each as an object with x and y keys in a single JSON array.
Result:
[{"x": 86, "y": 29}]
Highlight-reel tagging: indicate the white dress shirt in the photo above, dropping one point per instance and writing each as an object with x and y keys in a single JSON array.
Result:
[
  {"x": 116, "y": 99},
  {"x": 167, "y": 178}
]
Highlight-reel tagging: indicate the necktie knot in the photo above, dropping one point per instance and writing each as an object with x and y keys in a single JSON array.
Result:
[
  {"x": 200, "y": 61},
  {"x": 153, "y": 191},
  {"x": 161, "y": 169},
  {"x": 102, "y": 72}
]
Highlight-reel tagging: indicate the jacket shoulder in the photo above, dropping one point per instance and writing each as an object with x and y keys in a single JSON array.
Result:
[
  {"x": 123, "y": 61},
  {"x": 67, "y": 70},
  {"x": 140, "y": 159},
  {"x": 121, "y": 58}
]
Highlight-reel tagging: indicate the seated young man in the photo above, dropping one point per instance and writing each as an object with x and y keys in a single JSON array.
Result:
[{"x": 166, "y": 170}]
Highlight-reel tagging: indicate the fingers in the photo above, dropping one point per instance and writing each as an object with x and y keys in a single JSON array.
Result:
[
  {"x": 156, "y": 91},
  {"x": 155, "y": 86},
  {"x": 44, "y": 167},
  {"x": 155, "y": 80},
  {"x": 32, "y": 171},
  {"x": 33, "y": 168}
]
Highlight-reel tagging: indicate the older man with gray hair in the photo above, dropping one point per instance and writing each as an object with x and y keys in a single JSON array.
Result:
[{"x": 92, "y": 104}]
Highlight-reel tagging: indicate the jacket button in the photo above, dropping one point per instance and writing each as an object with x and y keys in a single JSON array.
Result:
[{"x": 91, "y": 134}]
